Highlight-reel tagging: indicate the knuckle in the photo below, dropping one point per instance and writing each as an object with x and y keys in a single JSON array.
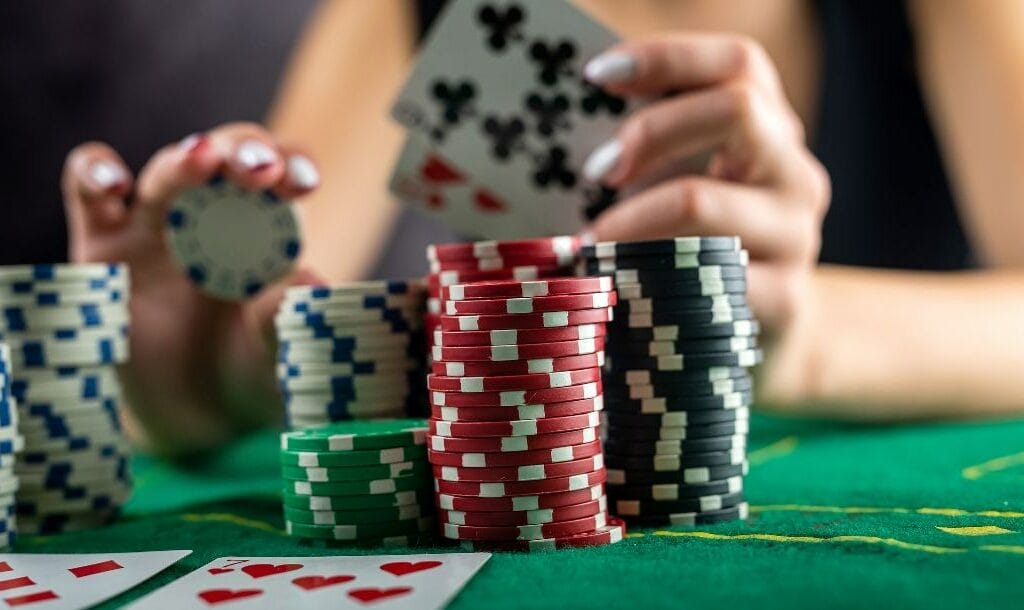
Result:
[
  {"x": 692, "y": 201},
  {"x": 749, "y": 53}
]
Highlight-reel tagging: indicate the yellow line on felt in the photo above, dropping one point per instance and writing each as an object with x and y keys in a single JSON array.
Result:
[
  {"x": 994, "y": 465},
  {"x": 779, "y": 448},
  {"x": 900, "y": 544},
  {"x": 975, "y": 530},
  {"x": 233, "y": 519},
  {"x": 866, "y": 510},
  {"x": 1003, "y": 548}
]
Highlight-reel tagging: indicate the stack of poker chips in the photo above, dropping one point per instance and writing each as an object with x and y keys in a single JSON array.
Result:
[
  {"x": 515, "y": 393},
  {"x": 363, "y": 482},
  {"x": 351, "y": 351},
  {"x": 677, "y": 388},
  {"x": 481, "y": 261},
  {"x": 10, "y": 444},
  {"x": 67, "y": 329}
]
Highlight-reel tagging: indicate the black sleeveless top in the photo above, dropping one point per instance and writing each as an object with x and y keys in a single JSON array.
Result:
[{"x": 891, "y": 202}]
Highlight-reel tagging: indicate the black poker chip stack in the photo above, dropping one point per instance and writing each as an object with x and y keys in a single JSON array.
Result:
[{"x": 676, "y": 380}]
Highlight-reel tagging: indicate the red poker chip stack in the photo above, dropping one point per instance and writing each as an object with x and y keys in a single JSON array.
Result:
[{"x": 516, "y": 395}]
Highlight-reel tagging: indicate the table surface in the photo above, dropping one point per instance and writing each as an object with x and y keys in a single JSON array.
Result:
[{"x": 842, "y": 516}]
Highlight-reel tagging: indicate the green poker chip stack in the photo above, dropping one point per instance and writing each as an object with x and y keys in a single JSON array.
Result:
[{"x": 358, "y": 482}]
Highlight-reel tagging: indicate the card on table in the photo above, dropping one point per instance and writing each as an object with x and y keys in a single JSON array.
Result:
[
  {"x": 498, "y": 93},
  {"x": 73, "y": 581},
  {"x": 414, "y": 582}
]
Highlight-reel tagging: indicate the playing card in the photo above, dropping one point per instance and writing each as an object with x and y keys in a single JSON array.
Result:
[
  {"x": 414, "y": 582},
  {"x": 69, "y": 582},
  {"x": 499, "y": 93}
]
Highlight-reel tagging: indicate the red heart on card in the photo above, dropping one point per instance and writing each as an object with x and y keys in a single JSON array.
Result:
[
  {"x": 401, "y": 568},
  {"x": 372, "y": 595},
  {"x": 488, "y": 202},
  {"x": 259, "y": 570},
  {"x": 315, "y": 582},
  {"x": 216, "y": 596},
  {"x": 216, "y": 571}
]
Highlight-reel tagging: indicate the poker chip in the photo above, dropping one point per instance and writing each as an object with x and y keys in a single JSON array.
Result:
[
  {"x": 357, "y": 436},
  {"x": 747, "y": 358},
  {"x": 517, "y": 337},
  {"x": 613, "y": 532},
  {"x": 524, "y": 321},
  {"x": 511, "y": 443},
  {"x": 529, "y": 351},
  {"x": 675, "y": 491},
  {"x": 692, "y": 317},
  {"x": 65, "y": 328},
  {"x": 681, "y": 288},
  {"x": 361, "y": 481},
  {"x": 521, "y": 488},
  {"x": 691, "y": 260},
  {"x": 689, "y": 476},
  {"x": 526, "y": 305},
  {"x": 523, "y": 427},
  {"x": 503, "y": 383},
  {"x": 232, "y": 242},
  {"x": 517, "y": 367},
  {"x": 436, "y": 281},
  {"x": 699, "y": 504},
  {"x": 677, "y": 391},
  {"x": 517, "y": 504},
  {"x": 504, "y": 459},
  {"x": 733, "y": 513},
  {"x": 511, "y": 398},
  {"x": 351, "y": 351},
  {"x": 510, "y": 261},
  {"x": 524, "y": 532},
  {"x": 527, "y": 472},
  {"x": 519, "y": 518},
  {"x": 539, "y": 288},
  {"x": 353, "y": 517},
  {"x": 541, "y": 411},
  {"x": 562, "y": 245}
]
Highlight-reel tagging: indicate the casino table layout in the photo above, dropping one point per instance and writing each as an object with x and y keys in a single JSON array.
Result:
[{"x": 842, "y": 516}]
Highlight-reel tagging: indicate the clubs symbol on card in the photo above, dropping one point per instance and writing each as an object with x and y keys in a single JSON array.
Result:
[
  {"x": 260, "y": 570},
  {"x": 502, "y": 26},
  {"x": 455, "y": 101},
  {"x": 550, "y": 114},
  {"x": 553, "y": 169},
  {"x": 505, "y": 135},
  {"x": 402, "y": 568},
  {"x": 552, "y": 59},
  {"x": 219, "y": 596},
  {"x": 309, "y": 583},
  {"x": 594, "y": 99},
  {"x": 369, "y": 595}
]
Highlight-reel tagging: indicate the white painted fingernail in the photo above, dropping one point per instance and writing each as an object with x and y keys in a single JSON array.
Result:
[
  {"x": 586, "y": 237},
  {"x": 602, "y": 161},
  {"x": 302, "y": 172},
  {"x": 191, "y": 142},
  {"x": 253, "y": 154},
  {"x": 612, "y": 67},
  {"x": 107, "y": 174}
]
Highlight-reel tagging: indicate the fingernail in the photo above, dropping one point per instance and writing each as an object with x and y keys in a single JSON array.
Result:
[
  {"x": 192, "y": 142},
  {"x": 586, "y": 237},
  {"x": 107, "y": 175},
  {"x": 255, "y": 155},
  {"x": 608, "y": 68},
  {"x": 302, "y": 172},
  {"x": 602, "y": 161}
]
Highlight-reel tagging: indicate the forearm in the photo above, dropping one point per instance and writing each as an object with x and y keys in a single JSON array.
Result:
[{"x": 890, "y": 345}]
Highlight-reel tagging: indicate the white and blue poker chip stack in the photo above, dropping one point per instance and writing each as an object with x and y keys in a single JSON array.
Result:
[
  {"x": 351, "y": 351},
  {"x": 10, "y": 443},
  {"x": 677, "y": 389},
  {"x": 67, "y": 330}
]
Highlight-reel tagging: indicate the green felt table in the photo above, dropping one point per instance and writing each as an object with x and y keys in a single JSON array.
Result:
[{"x": 916, "y": 516}]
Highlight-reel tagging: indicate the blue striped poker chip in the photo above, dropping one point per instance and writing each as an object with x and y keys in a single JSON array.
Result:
[
  {"x": 48, "y": 298},
  {"x": 332, "y": 331},
  {"x": 350, "y": 303},
  {"x": 86, "y": 387},
  {"x": 7, "y": 415},
  {"x": 327, "y": 320},
  {"x": 357, "y": 369},
  {"x": 11, "y": 445},
  {"x": 62, "y": 272},
  {"x": 42, "y": 452},
  {"x": 78, "y": 497},
  {"x": 104, "y": 351},
  {"x": 80, "y": 316},
  {"x": 396, "y": 342},
  {"x": 56, "y": 480},
  {"x": 7, "y": 527},
  {"x": 60, "y": 427},
  {"x": 232, "y": 242},
  {"x": 56, "y": 408},
  {"x": 366, "y": 288}
]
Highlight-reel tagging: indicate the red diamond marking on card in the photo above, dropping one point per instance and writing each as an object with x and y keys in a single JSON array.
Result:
[
  {"x": 95, "y": 568},
  {"x": 401, "y": 568},
  {"x": 259, "y": 570},
  {"x": 437, "y": 170},
  {"x": 372, "y": 595},
  {"x": 14, "y": 583},
  {"x": 31, "y": 598},
  {"x": 216, "y": 596},
  {"x": 315, "y": 582},
  {"x": 4, "y": 566},
  {"x": 487, "y": 202},
  {"x": 216, "y": 571}
]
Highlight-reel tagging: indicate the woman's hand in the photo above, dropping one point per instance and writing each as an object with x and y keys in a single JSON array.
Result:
[
  {"x": 762, "y": 183},
  {"x": 189, "y": 352}
]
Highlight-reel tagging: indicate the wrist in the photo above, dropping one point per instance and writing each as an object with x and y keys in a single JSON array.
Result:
[{"x": 794, "y": 366}]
